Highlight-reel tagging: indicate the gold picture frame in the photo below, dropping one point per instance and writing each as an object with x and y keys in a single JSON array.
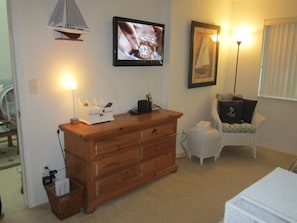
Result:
[{"x": 204, "y": 52}]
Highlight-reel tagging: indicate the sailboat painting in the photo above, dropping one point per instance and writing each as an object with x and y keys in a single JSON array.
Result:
[
  {"x": 204, "y": 47},
  {"x": 68, "y": 21},
  {"x": 204, "y": 58}
]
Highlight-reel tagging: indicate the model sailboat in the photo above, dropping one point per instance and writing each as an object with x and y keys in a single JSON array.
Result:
[{"x": 67, "y": 20}]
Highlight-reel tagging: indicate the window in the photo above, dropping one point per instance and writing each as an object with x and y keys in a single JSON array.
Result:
[{"x": 278, "y": 74}]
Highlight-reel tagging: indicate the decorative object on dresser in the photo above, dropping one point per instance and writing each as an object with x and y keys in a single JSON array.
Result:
[
  {"x": 112, "y": 158},
  {"x": 95, "y": 112}
]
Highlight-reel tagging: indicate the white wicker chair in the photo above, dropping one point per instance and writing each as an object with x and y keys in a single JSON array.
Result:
[{"x": 236, "y": 138}]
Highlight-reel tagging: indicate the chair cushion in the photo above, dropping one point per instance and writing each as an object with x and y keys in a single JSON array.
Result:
[
  {"x": 237, "y": 128},
  {"x": 230, "y": 111},
  {"x": 247, "y": 109}
]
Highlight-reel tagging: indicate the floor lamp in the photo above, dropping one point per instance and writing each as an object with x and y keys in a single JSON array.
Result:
[{"x": 238, "y": 45}]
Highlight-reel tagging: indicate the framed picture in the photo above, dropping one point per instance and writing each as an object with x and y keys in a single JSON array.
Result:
[{"x": 204, "y": 52}]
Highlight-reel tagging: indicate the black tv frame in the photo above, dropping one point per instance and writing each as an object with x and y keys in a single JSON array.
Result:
[{"x": 135, "y": 61}]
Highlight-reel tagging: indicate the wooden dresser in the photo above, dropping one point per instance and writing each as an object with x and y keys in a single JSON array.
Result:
[{"x": 112, "y": 158}]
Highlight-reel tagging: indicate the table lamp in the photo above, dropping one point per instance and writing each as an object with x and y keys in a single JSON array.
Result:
[{"x": 72, "y": 86}]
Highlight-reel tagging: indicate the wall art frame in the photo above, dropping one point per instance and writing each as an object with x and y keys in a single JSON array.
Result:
[{"x": 204, "y": 53}]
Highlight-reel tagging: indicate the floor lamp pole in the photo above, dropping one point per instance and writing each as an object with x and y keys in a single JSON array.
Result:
[{"x": 238, "y": 44}]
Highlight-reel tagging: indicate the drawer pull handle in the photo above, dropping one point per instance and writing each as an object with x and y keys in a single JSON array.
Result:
[
  {"x": 96, "y": 150},
  {"x": 96, "y": 170},
  {"x": 97, "y": 189}
]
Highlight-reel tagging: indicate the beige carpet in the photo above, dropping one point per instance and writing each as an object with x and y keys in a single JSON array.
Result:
[
  {"x": 195, "y": 194},
  {"x": 9, "y": 155}
]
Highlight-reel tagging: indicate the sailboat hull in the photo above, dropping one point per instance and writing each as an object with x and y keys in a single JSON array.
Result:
[
  {"x": 73, "y": 36},
  {"x": 68, "y": 30}
]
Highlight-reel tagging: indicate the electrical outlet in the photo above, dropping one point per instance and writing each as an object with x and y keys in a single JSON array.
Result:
[
  {"x": 183, "y": 138},
  {"x": 45, "y": 171},
  {"x": 46, "y": 175},
  {"x": 33, "y": 85},
  {"x": 183, "y": 133}
]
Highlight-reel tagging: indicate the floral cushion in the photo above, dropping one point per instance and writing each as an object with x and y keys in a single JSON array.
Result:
[{"x": 236, "y": 128}]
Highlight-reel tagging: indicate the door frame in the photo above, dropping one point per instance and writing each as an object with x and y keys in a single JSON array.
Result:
[{"x": 16, "y": 80}]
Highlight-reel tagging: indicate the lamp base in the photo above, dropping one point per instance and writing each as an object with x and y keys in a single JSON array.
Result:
[{"x": 74, "y": 120}]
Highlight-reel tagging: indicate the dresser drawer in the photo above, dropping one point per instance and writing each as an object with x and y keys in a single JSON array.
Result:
[
  {"x": 158, "y": 148},
  {"x": 116, "y": 181},
  {"x": 116, "y": 162},
  {"x": 158, "y": 131},
  {"x": 116, "y": 144},
  {"x": 149, "y": 167}
]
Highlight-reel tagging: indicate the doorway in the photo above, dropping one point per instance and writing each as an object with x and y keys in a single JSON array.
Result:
[{"x": 10, "y": 156}]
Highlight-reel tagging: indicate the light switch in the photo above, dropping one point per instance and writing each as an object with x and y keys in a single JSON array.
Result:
[{"x": 33, "y": 86}]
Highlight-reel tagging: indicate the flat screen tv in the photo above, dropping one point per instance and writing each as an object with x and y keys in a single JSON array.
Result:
[{"x": 137, "y": 43}]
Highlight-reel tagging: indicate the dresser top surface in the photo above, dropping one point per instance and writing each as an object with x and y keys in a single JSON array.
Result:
[{"x": 122, "y": 123}]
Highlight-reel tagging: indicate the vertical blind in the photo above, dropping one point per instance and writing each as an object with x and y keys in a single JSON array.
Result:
[{"x": 278, "y": 74}]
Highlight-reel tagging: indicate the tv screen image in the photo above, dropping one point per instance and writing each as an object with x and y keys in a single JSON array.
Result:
[{"x": 137, "y": 43}]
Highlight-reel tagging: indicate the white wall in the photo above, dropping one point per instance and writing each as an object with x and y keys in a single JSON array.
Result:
[
  {"x": 279, "y": 130},
  {"x": 195, "y": 102}
]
